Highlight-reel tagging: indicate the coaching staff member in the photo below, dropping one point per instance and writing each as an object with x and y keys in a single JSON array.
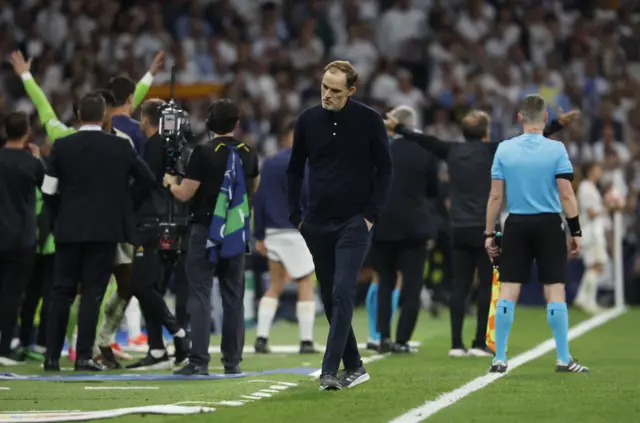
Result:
[
  {"x": 400, "y": 236},
  {"x": 87, "y": 185},
  {"x": 21, "y": 172},
  {"x": 350, "y": 172},
  {"x": 149, "y": 271},
  {"x": 469, "y": 164},
  {"x": 202, "y": 183},
  {"x": 537, "y": 174}
]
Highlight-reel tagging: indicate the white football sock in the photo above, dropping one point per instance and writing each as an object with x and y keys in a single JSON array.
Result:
[
  {"x": 306, "y": 313},
  {"x": 266, "y": 312},
  {"x": 133, "y": 317},
  {"x": 113, "y": 314},
  {"x": 588, "y": 291}
]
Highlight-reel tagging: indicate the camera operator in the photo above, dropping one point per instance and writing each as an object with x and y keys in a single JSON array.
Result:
[
  {"x": 21, "y": 172},
  {"x": 220, "y": 176},
  {"x": 149, "y": 269}
]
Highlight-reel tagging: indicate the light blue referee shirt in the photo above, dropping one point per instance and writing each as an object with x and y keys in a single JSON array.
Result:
[{"x": 529, "y": 164}]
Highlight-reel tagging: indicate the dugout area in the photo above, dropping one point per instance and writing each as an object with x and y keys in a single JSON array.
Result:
[{"x": 531, "y": 393}]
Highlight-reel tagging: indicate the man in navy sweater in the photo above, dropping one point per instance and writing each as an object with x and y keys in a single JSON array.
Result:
[
  {"x": 350, "y": 172},
  {"x": 279, "y": 241}
]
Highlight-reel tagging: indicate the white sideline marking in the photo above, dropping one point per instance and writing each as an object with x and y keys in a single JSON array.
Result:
[
  {"x": 431, "y": 407},
  {"x": 121, "y": 388},
  {"x": 4, "y": 388},
  {"x": 73, "y": 416}
]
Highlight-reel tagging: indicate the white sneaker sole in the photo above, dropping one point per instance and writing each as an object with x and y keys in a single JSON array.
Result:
[
  {"x": 457, "y": 353},
  {"x": 163, "y": 365},
  {"x": 361, "y": 379}
]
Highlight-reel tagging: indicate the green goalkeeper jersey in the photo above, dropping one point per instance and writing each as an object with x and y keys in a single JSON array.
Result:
[{"x": 55, "y": 129}]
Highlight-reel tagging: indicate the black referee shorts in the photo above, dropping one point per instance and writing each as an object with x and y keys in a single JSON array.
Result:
[{"x": 538, "y": 237}]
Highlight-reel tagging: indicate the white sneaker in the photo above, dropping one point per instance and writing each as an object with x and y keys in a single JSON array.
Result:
[
  {"x": 5, "y": 361},
  {"x": 458, "y": 352}
]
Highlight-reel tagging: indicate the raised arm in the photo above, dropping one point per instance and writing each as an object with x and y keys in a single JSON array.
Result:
[
  {"x": 432, "y": 144},
  {"x": 53, "y": 126},
  {"x": 295, "y": 171},
  {"x": 143, "y": 86},
  {"x": 384, "y": 169}
]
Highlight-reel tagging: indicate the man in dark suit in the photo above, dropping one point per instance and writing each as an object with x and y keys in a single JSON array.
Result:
[
  {"x": 400, "y": 237},
  {"x": 87, "y": 189},
  {"x": 350, "y": 173}
]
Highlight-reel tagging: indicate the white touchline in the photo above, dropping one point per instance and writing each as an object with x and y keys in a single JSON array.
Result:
[
  {"x": 120, "y": 388},
  {"x": 431, "y": 407}
]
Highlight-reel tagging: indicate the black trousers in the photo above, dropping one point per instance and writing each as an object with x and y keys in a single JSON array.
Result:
[
  {"x": 338, "y": 252},
  {"x": 408, "y": 257},
  {"x": 468, "y": 254},
  {"x": 200, "y": 273},
  {"x": 39, "y": 286},
  {"x": 16, "y": 267},
  {"x": 92, "y": 264},
  {"x": 150, "y": 276}
]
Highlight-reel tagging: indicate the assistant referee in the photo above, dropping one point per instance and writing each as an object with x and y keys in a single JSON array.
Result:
[{"x": 537, "y": 174}]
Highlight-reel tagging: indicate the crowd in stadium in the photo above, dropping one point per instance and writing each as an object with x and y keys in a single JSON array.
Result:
[{"x": 442, "y": 58}]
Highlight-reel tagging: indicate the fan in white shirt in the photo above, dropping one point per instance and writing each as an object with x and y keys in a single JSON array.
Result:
[{"x": 593, "y": 215}]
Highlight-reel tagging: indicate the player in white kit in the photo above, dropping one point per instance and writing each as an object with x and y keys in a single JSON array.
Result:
[{"x": 594, "y": 217}]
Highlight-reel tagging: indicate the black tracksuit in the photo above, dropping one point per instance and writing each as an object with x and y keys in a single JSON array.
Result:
[{"x": 401, "y": 234}]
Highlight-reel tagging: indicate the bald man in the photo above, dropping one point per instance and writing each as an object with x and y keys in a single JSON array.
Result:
[{"x": 400, "y": 238}]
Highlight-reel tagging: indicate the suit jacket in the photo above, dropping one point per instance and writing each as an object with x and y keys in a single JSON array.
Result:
[
  {"x": 408, "y": 214},
  {"x": 88, "y": 183}
]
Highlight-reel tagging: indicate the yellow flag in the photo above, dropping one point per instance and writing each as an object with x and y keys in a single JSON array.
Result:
[{"x": 491, "y": 323}]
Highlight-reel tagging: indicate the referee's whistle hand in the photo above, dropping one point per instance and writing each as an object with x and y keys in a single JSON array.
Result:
[
  {"x": 575, "y": 243},
  {"x": 491, "y": 248}
]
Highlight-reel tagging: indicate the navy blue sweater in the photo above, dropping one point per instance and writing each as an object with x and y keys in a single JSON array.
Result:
[
  {"x": 270, "y": 201},
  {"x": 350, "y": 168}
]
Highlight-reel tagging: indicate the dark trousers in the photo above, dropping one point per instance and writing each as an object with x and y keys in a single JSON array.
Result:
[
  {"x": 338, "y": 252},
  {"x": 87, "y": 263},
  {"x": 408, "y": 257},
  {"x": 180, "y": 290},
  {"x": 469, "y": 254},
  {"x": 149, "y": 277},
  {"x": 39, "y": 286},
  {"x": 200, "y": 273},
  {"x": 16, "y": 267}
]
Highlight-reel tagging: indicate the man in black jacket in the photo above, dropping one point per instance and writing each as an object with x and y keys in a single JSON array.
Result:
[
  {"x": 469, "y": 164},
  {"x": 149, "y": 275},
  {"x": 400, "y": 237},
  {"x": 21, "y": 171},
  {"x": 350, "y": 173},
  {"x": 87, "y": 188}
]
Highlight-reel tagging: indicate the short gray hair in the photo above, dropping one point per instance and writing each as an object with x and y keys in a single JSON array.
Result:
[
  {"x": 532, "y": 109},
  {"x": 405, "y": 115}
]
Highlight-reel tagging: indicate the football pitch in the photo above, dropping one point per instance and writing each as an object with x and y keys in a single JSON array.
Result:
[{"x": 280, "y": 387}]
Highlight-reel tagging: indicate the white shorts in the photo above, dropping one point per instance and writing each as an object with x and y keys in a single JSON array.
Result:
[
  {"x": 594, "y": 253},
  {"x": 289, "y": 248},
  {"x": 124, "y": 254}
]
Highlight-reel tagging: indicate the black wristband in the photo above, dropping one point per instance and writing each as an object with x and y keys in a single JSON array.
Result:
[
  {"x": 489, "y": 235},
  {"x": 574, "y": 226}
]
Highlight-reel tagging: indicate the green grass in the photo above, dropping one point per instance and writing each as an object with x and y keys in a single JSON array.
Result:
[{"x": 531, "y": 393}]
